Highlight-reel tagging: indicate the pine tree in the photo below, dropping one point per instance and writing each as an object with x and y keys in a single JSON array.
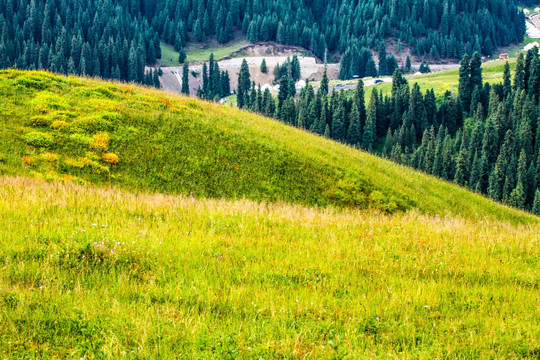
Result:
[
  {"x": 476, "y": 71},
  {"x": 181, "y": 56},
  {"x": 132, "y": 65},
  {"x": 519, "y": 77},
  {"x": 327, "y": 133},
  {"x": 368, "y": 139},
  {"x": 270, "y": 105},
  {"x": 185, "y": 79},
  {"x": 320, "y": 124},
  {"x": 324, "y": 83},
  {"x": 462, "y": 168},
  {"x": 534, "y": 79},
  {"x": 517, "y": 197},
  {"x": 71, "y": 67},
  {"x": 507, "y": 80},
  {"x": 408, "y": 64},
  {"x": 244, "y": 84},
  {"x": 536, "y": 204},
  {"x": 354, "y": 130},
  {"x": 264, "y": 69},
  {"x": 295, "y": 68},
  {"x": 338, "y": 122},
  {"x": 288, "y": 111},
  {"x": 465, "y": 88}
]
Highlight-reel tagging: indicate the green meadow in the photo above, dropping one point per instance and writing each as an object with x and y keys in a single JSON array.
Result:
[
  {"x": 448, "y": 80},
  {"x": 103, "y": 273},
  {"x": 139, "y": 224},
  {"x": 93, "y": 132}
]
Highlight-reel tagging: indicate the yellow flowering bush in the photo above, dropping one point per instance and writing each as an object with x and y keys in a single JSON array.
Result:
[
  {"x": 100, "y": 141},
  {"x": 111, "y": 158}
]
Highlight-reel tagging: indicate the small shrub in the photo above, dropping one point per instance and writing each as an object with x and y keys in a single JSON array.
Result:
[
  {"x": 79, "y": 139},
  {"x": 103, "y": 91},
  {"x": 38, "y": 139},
  {"x": 46, "y": 101},
  {"x": 49, "y": 157},
  {"x": 60, "y": 125},
  {"x": 381, "y": 202},
  {"x": 100, "y": 141},
  {"x": 92, "y": 155},
  {"x": 40, "y": 121},
  {"x": 85, "y": 163},
  {"x": 28, "y": 160},
  {"x": 31, "y": 82},
  {"x": 111, "y": 158},
  {"x": 93, "y": 123}
]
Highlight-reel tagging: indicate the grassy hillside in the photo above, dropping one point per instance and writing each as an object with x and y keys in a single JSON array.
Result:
[
  {"x": 201, "y": 52},
  {"x": 102, "y": 273},
  {"x": 449, "y": 80},
  {"x": 90, "y": 131}
]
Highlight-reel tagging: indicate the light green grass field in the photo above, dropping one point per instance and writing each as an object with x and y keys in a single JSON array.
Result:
[
  {"x": 449, "y": 80},
  {"x": 91, "y": 131},
  {"x": 138, "y": 224},
  {"x": 200, "y": 52},
  {"x": 102, "y": 273},
  {"x": 169, "y": 56}
]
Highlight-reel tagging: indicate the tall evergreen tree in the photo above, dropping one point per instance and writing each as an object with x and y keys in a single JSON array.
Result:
[
  {"x": 244, "y": 84},
  {"x": 369, "y": 137},
  {"x": 185, "y": 79}
]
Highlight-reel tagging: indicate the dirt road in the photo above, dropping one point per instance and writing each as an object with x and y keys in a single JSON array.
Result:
[{"x": 310, "y": 69}]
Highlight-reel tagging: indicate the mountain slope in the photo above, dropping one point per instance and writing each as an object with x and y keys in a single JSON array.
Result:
[{"x": 137, "y": 138}]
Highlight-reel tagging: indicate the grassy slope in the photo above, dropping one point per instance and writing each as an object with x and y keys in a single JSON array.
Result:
[
  {"x": 99, "y": 273},
  {"x": 172, "y": 144},
  {"x": 449, "y": 80},
  {"x": 200, "y": 52},
  {"x": 169, "y": 56}
]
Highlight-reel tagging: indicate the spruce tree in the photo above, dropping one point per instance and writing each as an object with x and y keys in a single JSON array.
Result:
[
  {"x": 536, "y": 204},
  {"x": 324, "y": 83},
  {"x": 185, "y": 79},
  {"x": 181, "y": 56},
  {"x": 264, "y": 69},
  {"x": 244, "y": 84},
  {"x": 465, "y": 88},
  {"x": 354, "y": 130},
  {"x": 476, "y": 71},
  {"x": 369, "y": 137},
  {"x": 519, "y": 77},
  {"x": 338, "y": 122},
  {"x": 517, "y": 197},
  {"x": 507, "y": 80}
]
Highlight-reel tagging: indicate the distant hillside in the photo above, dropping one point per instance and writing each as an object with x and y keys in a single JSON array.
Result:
[
  {"x": 115, "y": 39},
  {"x": 91, "y": 131}
]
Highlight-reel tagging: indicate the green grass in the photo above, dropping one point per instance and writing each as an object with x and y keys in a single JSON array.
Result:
[
  {"x": 67, "y": 128},
  {"x": 101, "y": 273},
  {"x": 111, "y": 245},
  {"x": 449, "y": 80},
  {"x": 201, "y": 52},
  {"x": 514, "y": 51},
  {"x": 169, "y": 56}
]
